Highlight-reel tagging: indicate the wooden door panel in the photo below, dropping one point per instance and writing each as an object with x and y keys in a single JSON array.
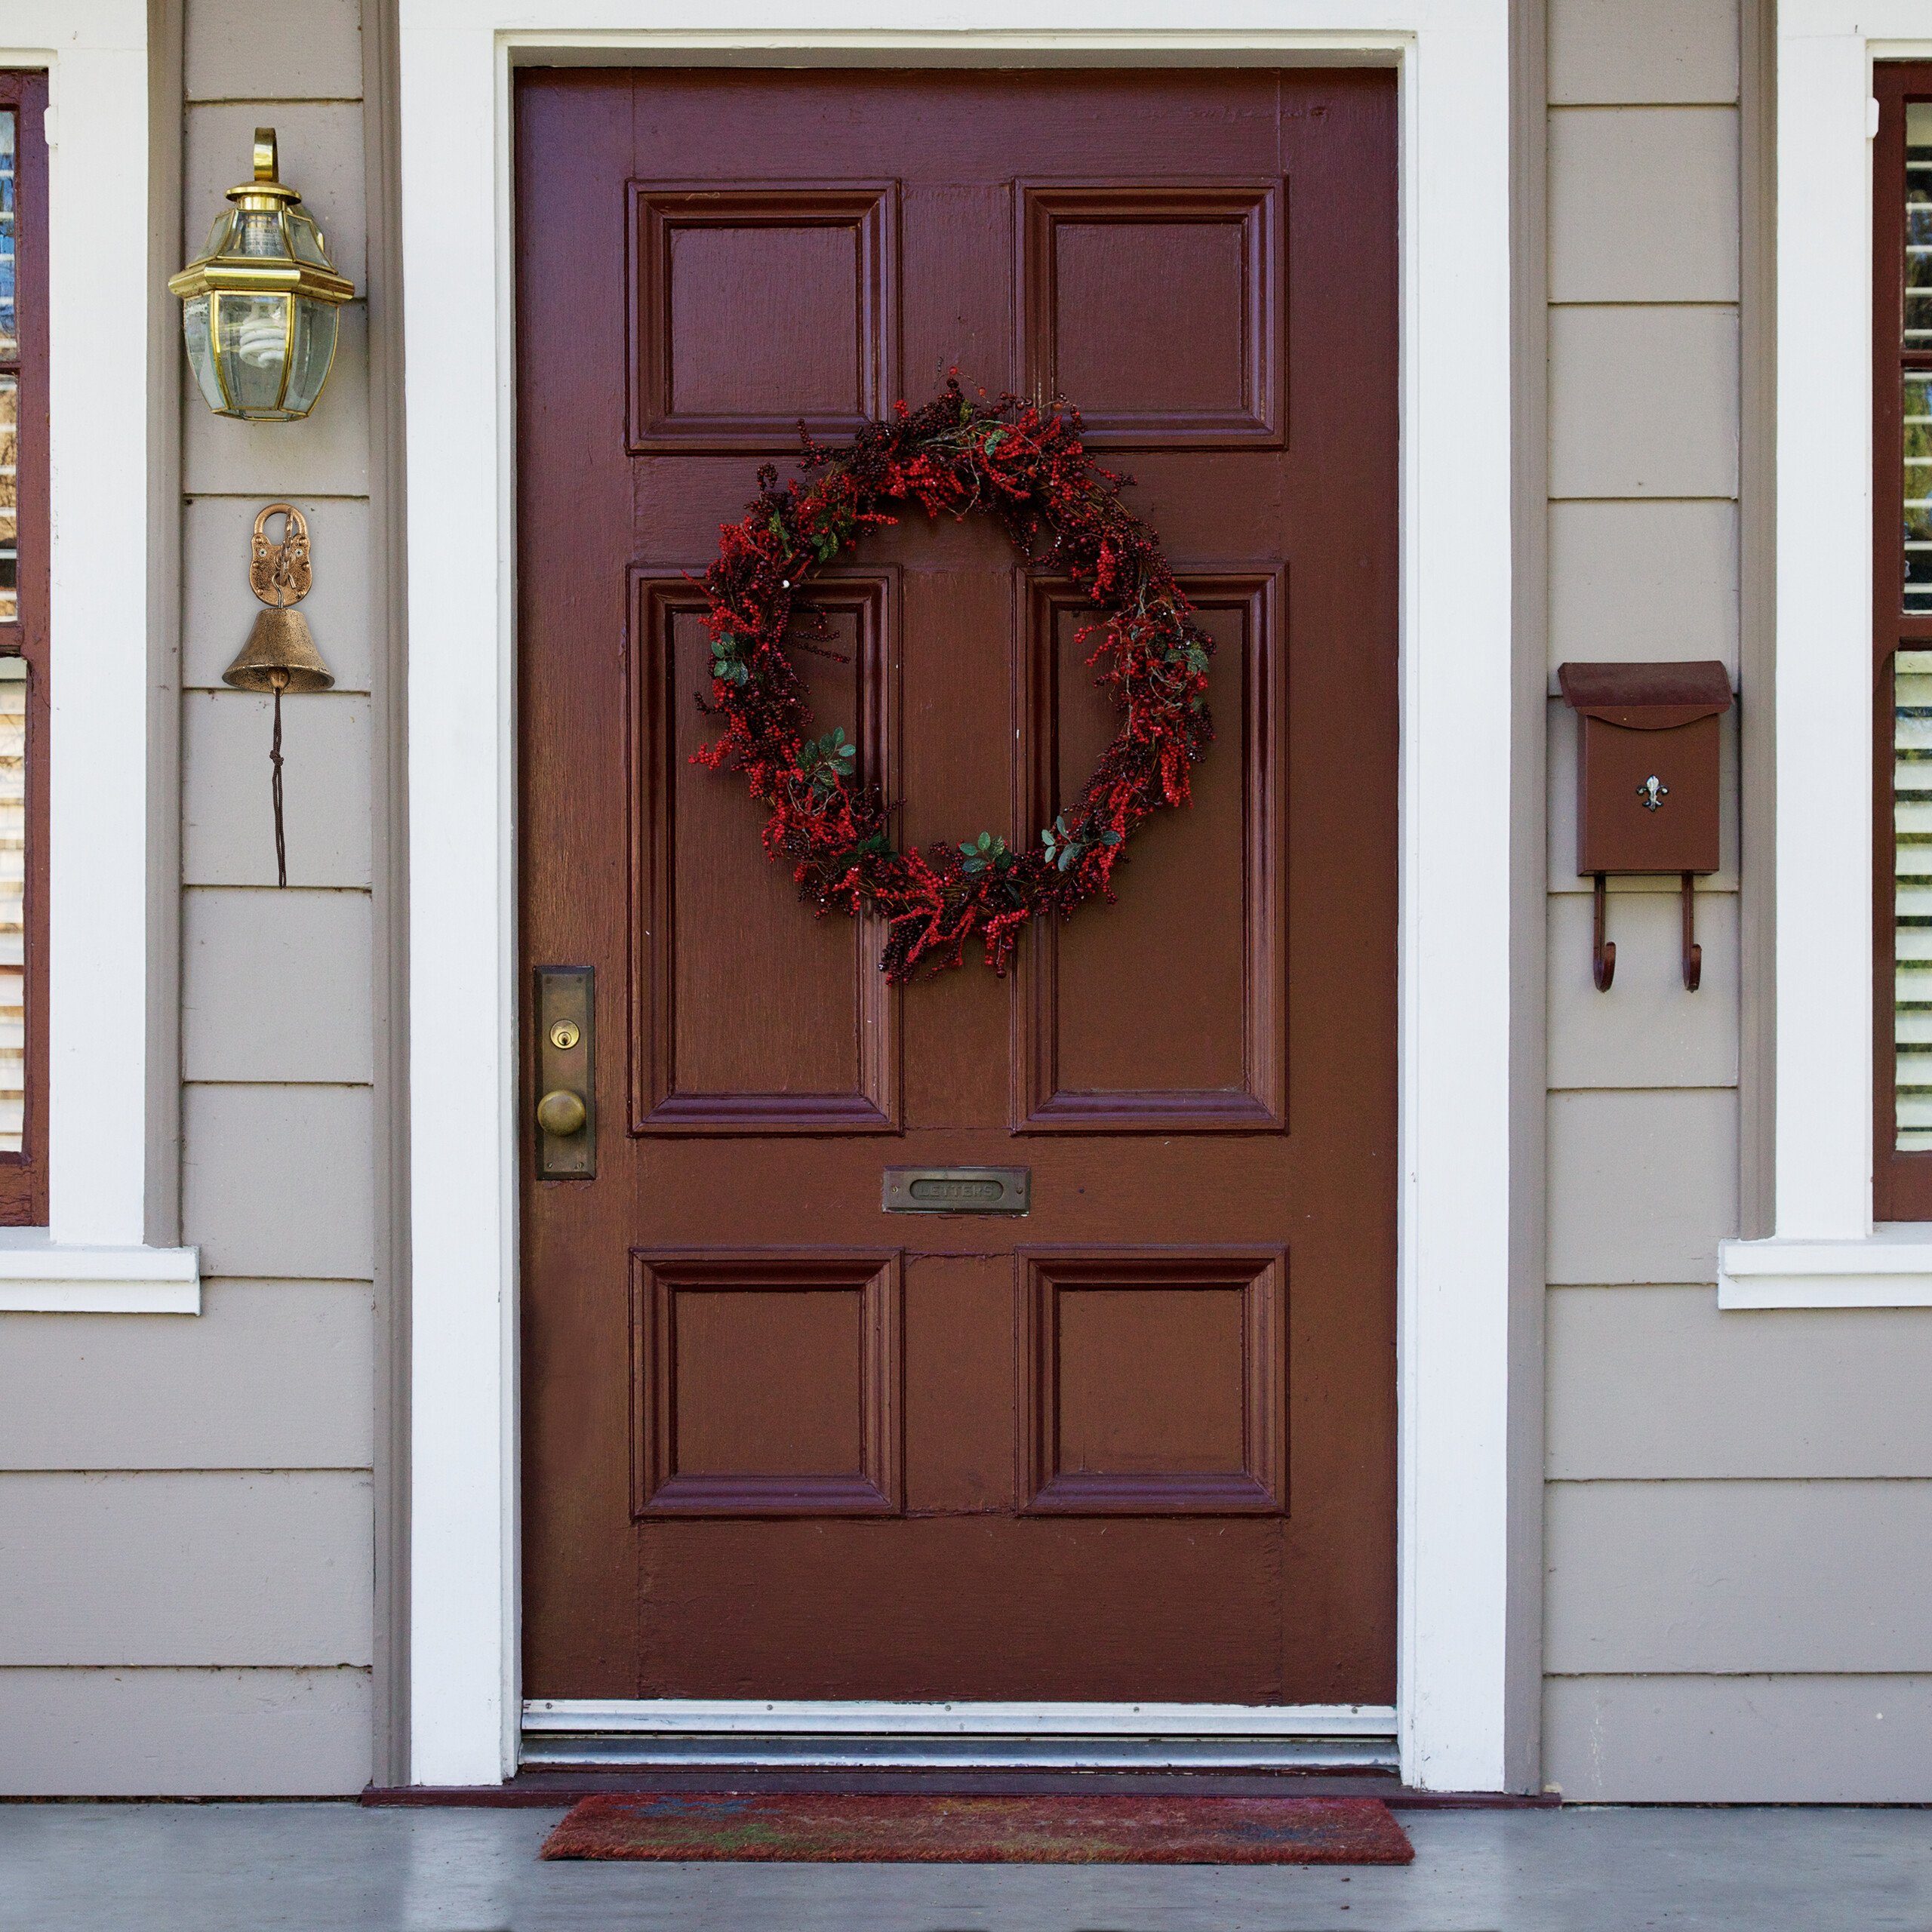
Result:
[
  {"x": 1153, "y": 1384},
  {"x": 814, "y": 270},
  {"x": 1158, "y": 307},
  {"x": 765, "y": 1384},
  {"x": 1139, "y": 1443},
  {"x": 744, "y": 1018},
  {"x": 1210, "y": 940},
  {"x": 1033, "y": 1607}
]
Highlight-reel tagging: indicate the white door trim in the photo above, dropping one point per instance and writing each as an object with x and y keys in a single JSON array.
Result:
[{"x": 1454, "y": 1201}]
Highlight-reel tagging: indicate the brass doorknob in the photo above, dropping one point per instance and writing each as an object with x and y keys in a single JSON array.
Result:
[{"x": 561, "y": 1113}]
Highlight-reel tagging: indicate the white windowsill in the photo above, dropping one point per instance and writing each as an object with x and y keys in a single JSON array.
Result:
[
  {"x": 38, "y": 1276},
  {"x": 1892, "y": 1268}
]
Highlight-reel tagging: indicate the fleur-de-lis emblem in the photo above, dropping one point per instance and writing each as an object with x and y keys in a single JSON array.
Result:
[{"x": 1653, "y": 792}]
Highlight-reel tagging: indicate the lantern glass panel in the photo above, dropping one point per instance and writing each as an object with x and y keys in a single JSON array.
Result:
[
  {"x": 200, "y": 350},
  {"x": 305, "y": 240},
  {"x": 251, "y": 338},
  {"x": 257, "y": 232},
  {"x": 315, "y": 325}
]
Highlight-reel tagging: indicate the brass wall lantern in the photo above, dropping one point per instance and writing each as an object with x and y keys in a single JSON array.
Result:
[{"x": 261, "y": 306}]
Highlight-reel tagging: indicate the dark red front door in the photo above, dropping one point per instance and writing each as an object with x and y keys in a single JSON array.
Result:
[{"x": 1139, "y": 1443}]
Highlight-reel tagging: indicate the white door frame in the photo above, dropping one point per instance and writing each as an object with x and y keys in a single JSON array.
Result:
[{"x": 1452, "y": 57}]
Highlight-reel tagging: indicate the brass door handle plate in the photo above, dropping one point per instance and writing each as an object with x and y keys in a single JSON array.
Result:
[
  {"x": 565, "y": 1075},
  {"x": 561, "y": 1113}
]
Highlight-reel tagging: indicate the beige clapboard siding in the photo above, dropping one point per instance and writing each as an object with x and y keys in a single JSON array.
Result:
[
  {"x": 271, "y": 1375},
  {"x": 275, "y": 986},
  {"x": 1563, "y": 876},
  {"x": 1642, "y": 51},
  {"x": 1757, "y": 1739},
  {"x": 161, "y": 1733},
  {"x": 1643, "y": 204},
  {"x": 276, "y": 1181},
  {"x": 326, "y": 454},
  {"x": 1659, "y": 1383},
  {"x": 1643, "y": 401},
  {"x": 227, "y": 823},
  {"x": 1642, "y": 1185},
  {"x": 1746, "y": 1577},
  {"x": 1653, "y": 1032},
  {"x": 218, "y": 608},
  {"x": 244, "y": 50},
  {"x": 178, "y": 1569},
  {"x": 1661, "y": 574}
]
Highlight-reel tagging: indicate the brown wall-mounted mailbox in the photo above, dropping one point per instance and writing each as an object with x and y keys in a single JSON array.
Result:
[{"x": 1647, "y": 778}]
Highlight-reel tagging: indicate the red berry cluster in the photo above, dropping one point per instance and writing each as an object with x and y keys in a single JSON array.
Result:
[{"x": 1027, "y": 464}]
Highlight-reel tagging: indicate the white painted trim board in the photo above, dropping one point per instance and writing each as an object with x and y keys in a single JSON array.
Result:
[
  {"x": 1825, "y": 1251},
  {"x": 1453, "y": 61},
  {"x": 96, "y": 56}
]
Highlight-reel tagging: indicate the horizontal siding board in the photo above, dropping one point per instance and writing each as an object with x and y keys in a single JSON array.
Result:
[
  {"x": 1563, "y": 876},
  {"x": 1643, "y": 401},
  {"x": 276, "y": 985},
  {"x": 1638, "y": 580},
  {"x": 320, "y": 147},
  {"x": 240, "y": 50},
  {"x": 1737, "y": 1577},
  {"x": 171, "y": 1569},
  {"x": 167, "y": 1733},
  {"x": 325, "y": 455},
  {"x": 219, "y": 609},
  {"x": 1741, "y": 1740},
  {"x": 1642, "y": 1185},
  {"x": 1643, "y": 204},
  {"x": 1659, "y": 1383},
  {"x": 279, "y": 1181},
  {"x": 1643, "y": 50},
  {"x": 228, "y": 819},
  {"x": 1649, "y": 1031},
  {"x": 271, "y": 1375}
]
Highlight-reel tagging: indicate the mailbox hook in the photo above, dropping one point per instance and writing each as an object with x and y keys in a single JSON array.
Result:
[
  {"x": 1693, "y": 953},
  {"x": 1604, "y": 951}
]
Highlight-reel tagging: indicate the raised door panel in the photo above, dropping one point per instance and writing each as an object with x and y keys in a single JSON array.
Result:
[
  {"x": 1157, "y": 309},
  {"x": 1205, "y": 954},
  {"x": 748, "y": 1014},
  {"x": 765, "y": 1384},
  {"x": 1153, "y": 1382},
  {"x": 755, "y": 306}
]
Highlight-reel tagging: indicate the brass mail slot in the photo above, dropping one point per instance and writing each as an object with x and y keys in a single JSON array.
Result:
[{"x": 958, "y": 1190}]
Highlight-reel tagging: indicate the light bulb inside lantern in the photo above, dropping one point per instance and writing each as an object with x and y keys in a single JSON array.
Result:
[{"x": 262, "y": 340}]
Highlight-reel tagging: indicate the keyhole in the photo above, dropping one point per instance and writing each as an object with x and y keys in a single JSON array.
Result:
[{"x": 564, "y": 1036}]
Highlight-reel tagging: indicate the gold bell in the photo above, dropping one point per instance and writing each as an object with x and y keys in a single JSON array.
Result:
[{"x": 280, "y": 655}]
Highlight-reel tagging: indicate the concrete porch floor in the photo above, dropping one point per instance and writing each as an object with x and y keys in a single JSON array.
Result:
[{"x": 338, "y": 1868}]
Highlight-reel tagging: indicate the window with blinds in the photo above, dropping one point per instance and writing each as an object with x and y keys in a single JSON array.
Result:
[{"x": 1901, "y": 558}]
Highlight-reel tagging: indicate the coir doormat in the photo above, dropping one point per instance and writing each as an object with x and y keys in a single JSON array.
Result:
[{"x": 896, "y": 1829}]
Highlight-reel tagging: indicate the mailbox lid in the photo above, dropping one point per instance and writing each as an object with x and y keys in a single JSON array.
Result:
[{"x": 1647, "y": 697}]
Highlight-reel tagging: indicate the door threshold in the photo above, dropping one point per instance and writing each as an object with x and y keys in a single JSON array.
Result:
[{"x": 965, "y": 1736}]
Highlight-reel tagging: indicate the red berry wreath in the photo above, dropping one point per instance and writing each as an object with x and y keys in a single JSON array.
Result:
[{"x": 1027, "y": 465}]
